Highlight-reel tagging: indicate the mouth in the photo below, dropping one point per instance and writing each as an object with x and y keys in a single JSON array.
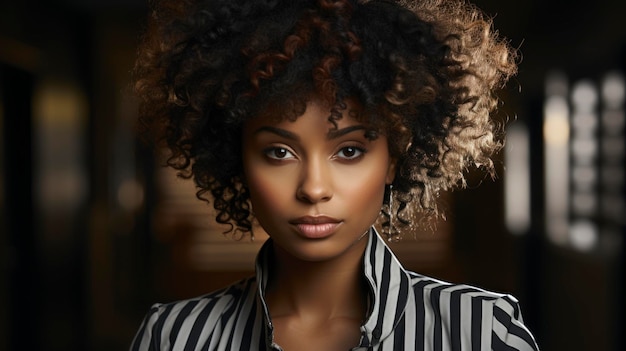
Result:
[{"x": 315, "y": 227}]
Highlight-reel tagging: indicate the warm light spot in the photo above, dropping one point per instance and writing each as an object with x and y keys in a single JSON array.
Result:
[
  {"x": 613, "y": 90},
  {"x": 583, "y": 235},
  {"x": 556, "y": 124},
  {"x": 517, "y": 179},
  {"x": 59, "y": 118},
  {"x": 556, "y": 133},
  {"x": 584, "y": 96},
  {"x": 584, "y": 150}
]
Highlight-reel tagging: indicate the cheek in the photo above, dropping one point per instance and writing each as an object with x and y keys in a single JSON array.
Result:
[
  {"x": 269, "y": 190},
  {"x": 364, "y": 190},
  {"x": 368, "y": 191},
  {"x": 264, "y": 190}
]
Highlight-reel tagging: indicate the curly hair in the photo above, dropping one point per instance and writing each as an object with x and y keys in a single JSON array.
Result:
[{"x": 424, "y": 71}]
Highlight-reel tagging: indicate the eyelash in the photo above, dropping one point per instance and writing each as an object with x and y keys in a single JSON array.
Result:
[
  {"x": 271, "y": 153},
  {"x": 268, "y": 152},
  {"x": 357, "y": 150}
]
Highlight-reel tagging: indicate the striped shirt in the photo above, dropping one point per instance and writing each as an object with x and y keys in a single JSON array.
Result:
[{"x": 408, "y": 312}]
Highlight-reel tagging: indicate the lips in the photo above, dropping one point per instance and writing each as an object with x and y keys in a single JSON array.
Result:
[{"x": 315, "y": 227}]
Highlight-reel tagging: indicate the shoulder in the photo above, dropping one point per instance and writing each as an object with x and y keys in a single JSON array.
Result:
[
  {"x": 175, "y": 323},
  {"x": 470, "y": 315},
  {"x": 441, "y": 290}
]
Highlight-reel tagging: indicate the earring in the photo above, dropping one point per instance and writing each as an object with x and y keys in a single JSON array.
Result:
[{"x": 390, "y": 230}]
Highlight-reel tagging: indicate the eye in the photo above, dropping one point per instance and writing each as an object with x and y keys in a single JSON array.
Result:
[
  {"x": 278, "y": 153},
  {"x": 350, "y": 152}
]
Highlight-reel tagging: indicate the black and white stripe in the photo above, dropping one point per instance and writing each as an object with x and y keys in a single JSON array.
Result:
[{"x": 409, "y": 312}]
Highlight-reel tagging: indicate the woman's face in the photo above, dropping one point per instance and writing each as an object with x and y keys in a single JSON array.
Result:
[{"x": 315, "y": 189}]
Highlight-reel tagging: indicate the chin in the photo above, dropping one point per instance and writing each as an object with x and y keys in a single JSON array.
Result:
[{"x": 321, "y": 250}]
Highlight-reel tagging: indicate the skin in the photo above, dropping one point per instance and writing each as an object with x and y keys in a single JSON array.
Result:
[{"x": 300, "y": 173}]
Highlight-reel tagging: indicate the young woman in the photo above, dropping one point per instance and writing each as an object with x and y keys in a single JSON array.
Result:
[{"x": 314, "y": 118}]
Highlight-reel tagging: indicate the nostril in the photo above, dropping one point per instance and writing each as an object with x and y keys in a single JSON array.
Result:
[{"x": 313, "y": 193}]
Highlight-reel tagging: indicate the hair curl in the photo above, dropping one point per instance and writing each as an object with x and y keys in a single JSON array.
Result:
[{"x": 424, "y": 71}]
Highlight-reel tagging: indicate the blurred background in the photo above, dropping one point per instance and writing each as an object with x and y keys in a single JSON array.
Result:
[{"x": 93, "y": 230}]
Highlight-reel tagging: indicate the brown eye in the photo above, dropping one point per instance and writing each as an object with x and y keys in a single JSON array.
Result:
[
  {"x": 350, "y": 152},
  {"x": 278, "y": 153}
]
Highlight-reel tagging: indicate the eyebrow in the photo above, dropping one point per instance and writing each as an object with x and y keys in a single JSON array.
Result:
[
  {"x": 278, "y": 131},
  {"x": 332, "y": 134},
  {"x": 336, "y": 133}
]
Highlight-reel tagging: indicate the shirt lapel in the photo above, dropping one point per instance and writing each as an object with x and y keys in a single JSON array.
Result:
[{"x": 389, "y": 284}]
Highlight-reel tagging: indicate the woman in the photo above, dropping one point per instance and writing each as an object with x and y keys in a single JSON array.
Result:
[{"x": 309, "y": 117}]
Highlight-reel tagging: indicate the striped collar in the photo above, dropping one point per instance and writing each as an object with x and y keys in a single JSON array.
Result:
[{"x": 387, "y": 279}]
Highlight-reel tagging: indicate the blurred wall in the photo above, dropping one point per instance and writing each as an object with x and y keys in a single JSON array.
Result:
[{"x": 81, "y": 259}]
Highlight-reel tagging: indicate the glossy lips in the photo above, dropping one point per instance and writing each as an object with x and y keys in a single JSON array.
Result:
[{"x": 315, "y": 227}]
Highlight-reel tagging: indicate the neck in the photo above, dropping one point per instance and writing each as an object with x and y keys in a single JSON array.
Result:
[{"x": 318, "y": 290}]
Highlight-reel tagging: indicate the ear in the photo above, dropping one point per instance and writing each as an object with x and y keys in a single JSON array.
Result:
[{"x": 391, "y": 171}]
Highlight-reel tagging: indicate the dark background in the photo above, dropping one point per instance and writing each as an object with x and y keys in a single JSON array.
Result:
[{"x": 80, "y": 274}]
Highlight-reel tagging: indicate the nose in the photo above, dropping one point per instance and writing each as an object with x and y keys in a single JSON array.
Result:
[{"x": 315, "y": 184}]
